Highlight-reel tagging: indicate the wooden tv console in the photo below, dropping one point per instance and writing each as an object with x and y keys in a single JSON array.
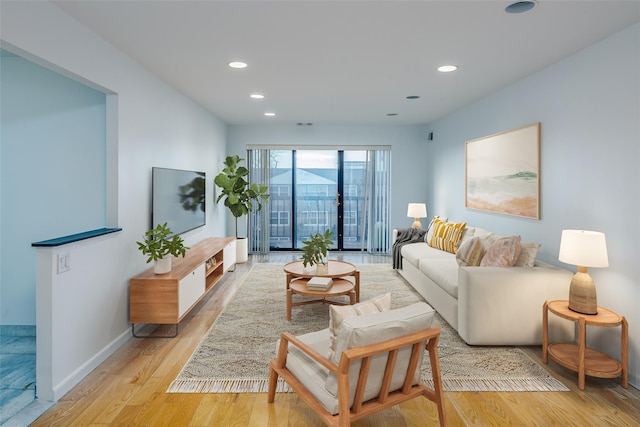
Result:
[{"x": 165, "y": 299}]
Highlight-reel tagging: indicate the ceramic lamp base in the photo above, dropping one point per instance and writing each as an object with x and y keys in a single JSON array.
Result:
[{"x": 582, "y": 293}]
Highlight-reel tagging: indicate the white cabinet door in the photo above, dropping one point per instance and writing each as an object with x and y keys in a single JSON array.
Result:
[
  {"x": 229, "y": 255},
  {"x": 190, "y": 289}
]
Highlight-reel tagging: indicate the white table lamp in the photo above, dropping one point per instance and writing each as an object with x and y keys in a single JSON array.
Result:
[
  {"x": 583, "y": 249},
  {"x": 417, "y": 211}
]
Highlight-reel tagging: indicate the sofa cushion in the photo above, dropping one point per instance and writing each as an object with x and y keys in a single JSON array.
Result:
[
  {"x": 414, "y": 252},
  {"x": 311, "y": 374},
  {"x": 443, "y": 271},
  {"x": 503, "y": 253},
  {"x": 338, "y": 313},
  {"x": 446, "y": 235},
  {"x": 470, "y": 252},
  {"x": 470, "y": 232}
]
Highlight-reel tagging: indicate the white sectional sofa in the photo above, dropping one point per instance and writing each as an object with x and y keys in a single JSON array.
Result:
[{"x": 487, "y": 305}]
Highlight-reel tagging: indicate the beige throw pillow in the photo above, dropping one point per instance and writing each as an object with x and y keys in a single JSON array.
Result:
[
  {"x": 470, "y": 252},
  {"x": 528, "y": 255},
  {"x": 338, "y": 313},
  {"x": 503, "y": 253}
]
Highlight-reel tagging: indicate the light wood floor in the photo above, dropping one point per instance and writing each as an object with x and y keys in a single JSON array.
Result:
[{"x": 128, "y": 389}]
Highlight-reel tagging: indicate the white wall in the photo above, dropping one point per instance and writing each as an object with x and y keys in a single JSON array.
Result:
[
  {"x": 408, "y": 146},
  {"x": 155, "y": 126},
  {"x": 589, "y": 107}
]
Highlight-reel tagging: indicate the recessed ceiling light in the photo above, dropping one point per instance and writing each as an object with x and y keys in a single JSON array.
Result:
[
  {"x": 257, "y": 96},
  {"x": 269, "y": 114},
  {"x": 392, "y": 114},
  {"x": 520, "y": 6},
  {"x": 413, "y": 97},
  {"x": 447, "y": 68},
  {"x": 237, "y": 64}
]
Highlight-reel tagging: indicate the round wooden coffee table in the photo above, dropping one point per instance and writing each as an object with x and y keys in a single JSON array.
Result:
[
  {"x": 336, "y": 270},
  {"x": 339, "y": 287}
]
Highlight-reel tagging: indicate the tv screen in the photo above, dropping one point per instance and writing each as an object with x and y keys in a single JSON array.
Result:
[{"x": 178, "y": 198}]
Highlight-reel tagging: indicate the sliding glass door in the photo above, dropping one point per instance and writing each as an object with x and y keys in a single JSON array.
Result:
[{"x": 312, "y": 190}]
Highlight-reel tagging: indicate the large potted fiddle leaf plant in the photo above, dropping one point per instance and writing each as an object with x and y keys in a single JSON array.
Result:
[{"x": 240, "y": 196}]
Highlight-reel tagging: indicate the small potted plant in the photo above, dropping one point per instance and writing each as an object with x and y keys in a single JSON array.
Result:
[
  {"x": 158, "y": 246},
  {"x": 315, "y": 251},
  {"x": 240, "y": 196}
]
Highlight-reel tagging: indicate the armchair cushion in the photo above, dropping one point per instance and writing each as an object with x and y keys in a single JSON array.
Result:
[
  {"x": 374, "y": 328},
  {"x": 338, "y": 313},
  {"x": 311, "y": 374}
]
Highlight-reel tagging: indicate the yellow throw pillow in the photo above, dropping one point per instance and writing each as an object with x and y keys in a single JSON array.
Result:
[{"x": 446, "y": 235}]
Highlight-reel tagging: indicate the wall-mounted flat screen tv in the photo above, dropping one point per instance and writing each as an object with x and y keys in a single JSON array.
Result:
[{"x": 178, "y": 198}]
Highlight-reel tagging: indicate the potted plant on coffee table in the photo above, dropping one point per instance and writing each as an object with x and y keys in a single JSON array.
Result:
[
  {"x": 239, "y": 196},
  {"x": 315, "y": 251},
  {"x": 161, "y": 248}
]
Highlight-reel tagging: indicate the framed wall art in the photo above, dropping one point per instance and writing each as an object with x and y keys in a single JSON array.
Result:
[{"x": 502, "y": 172}]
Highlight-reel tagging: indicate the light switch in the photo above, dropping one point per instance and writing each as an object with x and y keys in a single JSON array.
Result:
[{"x": 64, "y": 262}]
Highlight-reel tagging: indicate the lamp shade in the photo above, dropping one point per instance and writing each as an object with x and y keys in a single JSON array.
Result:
[
  {"x": 585, "y": 248},
  {"x": 417, "y": 210}
]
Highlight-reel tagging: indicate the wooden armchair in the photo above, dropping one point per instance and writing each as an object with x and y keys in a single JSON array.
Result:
[{"x": 369, "y": 371}]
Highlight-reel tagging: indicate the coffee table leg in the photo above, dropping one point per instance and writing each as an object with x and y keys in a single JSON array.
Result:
[
  {"x": 352, "y": 297},
  {"x": 289, "y": 303}
]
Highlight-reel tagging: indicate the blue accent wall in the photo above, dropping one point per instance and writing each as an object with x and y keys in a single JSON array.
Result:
[{"x": 52, "y": 170}]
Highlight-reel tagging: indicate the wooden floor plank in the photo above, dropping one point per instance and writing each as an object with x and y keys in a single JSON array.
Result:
[{"x": 129, "y": 388}]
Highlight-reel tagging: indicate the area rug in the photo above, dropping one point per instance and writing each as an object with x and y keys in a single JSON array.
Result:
[{"x": 233, "y": 356}]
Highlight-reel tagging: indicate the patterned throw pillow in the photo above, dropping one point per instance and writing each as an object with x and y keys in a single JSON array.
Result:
[
  {"x": 470, "y": 252},
  {"x": 503, "y": 253},
  {"x": 338, "y": 313},
  {"x": 528, "y": 255},
  {"x": 446, "y": 235}
]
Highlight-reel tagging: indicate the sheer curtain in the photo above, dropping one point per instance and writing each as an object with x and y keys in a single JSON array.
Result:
[
  {"x": 377, "y": 193},
  {"x": 258, "y": 228}
]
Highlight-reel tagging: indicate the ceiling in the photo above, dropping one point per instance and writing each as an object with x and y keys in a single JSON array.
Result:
[{"x": 346, "y": 62}]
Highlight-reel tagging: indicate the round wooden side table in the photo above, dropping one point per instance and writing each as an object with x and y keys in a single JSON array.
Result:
[{"x": 578, "y": 357}]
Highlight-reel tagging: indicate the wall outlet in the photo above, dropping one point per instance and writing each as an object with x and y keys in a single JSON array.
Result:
[{"x": 64, "y": 262}]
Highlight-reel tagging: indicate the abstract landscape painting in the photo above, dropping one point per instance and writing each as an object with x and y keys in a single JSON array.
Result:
[{"x": 503, "y": 172}]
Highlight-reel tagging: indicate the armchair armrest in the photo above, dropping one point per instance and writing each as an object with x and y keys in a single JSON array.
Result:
[{"x": 286, "y": 338}]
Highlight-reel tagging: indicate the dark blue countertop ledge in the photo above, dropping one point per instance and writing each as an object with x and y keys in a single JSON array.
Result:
[{"x": 59, "y": 241}]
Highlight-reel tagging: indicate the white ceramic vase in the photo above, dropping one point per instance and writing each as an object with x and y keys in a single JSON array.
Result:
[
  {"x": 242, "y": 249},
  {"x": 162, "y": 265}
]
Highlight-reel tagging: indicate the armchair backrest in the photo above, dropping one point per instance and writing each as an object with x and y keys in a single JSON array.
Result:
[{"x": 371, "y": 329}]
